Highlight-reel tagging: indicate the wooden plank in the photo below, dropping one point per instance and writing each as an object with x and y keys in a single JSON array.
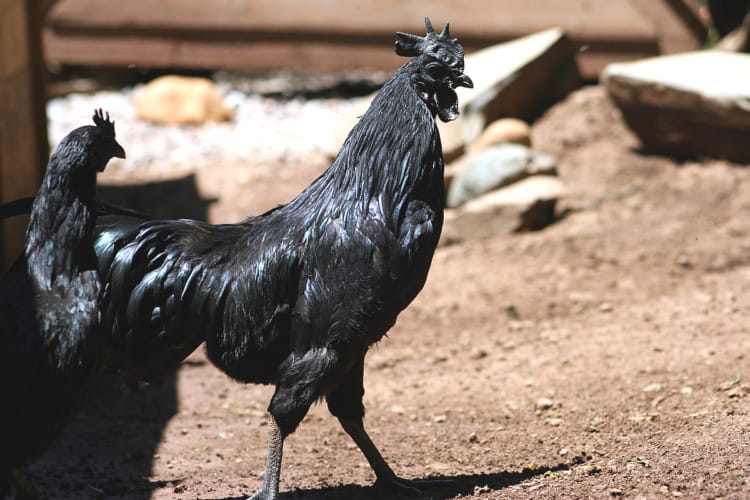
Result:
[
  {"x": 166, "y": 52},
  {"x": 38, "y": 10},
  {"x": 23, "y": 138},
  {"x": 689, "y": 13},
  {"x": 12, "y": 57},
  {"x": 485, "y": 18},
  {"x": 328, "y": 34},
  {"x": 86, "y": 49},
  {"x": 675, "y": 22}
]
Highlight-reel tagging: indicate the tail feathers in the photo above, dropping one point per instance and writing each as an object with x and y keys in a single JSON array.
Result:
[{"x": 21, "y": 206}]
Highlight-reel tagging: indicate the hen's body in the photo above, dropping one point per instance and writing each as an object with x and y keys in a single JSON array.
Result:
[
  {"x": 49, "y": 302},
  {"x": 42, "y": 372}
]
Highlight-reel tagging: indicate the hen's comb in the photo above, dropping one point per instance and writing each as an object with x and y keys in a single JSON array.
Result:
[
  {"x": 414, "y": 45},
  {"x": 101, "y": 120}
]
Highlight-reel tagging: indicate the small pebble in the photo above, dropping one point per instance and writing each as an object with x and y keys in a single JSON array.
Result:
[{"x": 544, "y": 403}]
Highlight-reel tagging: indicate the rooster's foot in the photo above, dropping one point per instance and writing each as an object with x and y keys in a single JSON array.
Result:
[{"x": 410, "y": 487}]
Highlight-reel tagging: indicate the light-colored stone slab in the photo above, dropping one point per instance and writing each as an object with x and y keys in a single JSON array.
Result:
[
  {"x": 511, "y": 79},
  {"x": 691, "y": 104}
]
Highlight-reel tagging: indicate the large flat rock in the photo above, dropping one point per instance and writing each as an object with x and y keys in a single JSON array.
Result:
[
  {"x": 511, "y": 79},
  {"x": 691, "y": 104}
]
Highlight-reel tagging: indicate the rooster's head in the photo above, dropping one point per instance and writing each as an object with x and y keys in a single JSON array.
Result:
[{"x": 441, "y": 71}]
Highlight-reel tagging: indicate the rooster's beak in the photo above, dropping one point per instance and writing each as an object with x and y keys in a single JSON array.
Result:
[{"x": 463, "y": 81}]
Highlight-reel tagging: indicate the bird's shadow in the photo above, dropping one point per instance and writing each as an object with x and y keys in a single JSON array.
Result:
[
  {"x": 462, "y": 484},
  {"x": 107, "y": 450}
]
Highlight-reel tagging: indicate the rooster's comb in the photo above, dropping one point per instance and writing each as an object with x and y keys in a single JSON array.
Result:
[
  {"x": 101, "y": 119},
  {"x": 414, "y": 45}
]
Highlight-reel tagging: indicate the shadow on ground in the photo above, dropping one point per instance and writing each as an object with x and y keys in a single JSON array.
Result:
[
  {"x": 459, "y": 485},
  {"x": 112, "y": 431}
]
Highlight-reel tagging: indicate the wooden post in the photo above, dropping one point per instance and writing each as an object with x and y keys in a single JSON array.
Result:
[{"x": 23, "y": 124}]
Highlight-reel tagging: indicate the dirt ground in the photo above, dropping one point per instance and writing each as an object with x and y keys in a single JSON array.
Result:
[{"x": 605, "y": 356}]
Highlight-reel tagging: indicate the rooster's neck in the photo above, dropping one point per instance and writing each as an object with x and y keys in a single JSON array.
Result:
[{"x": 391, "y": 155}]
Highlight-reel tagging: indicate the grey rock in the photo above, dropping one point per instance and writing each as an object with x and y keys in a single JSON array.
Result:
[
  {"x": 525, "y": 205},
  {"x": 495, "y": 167},
  {"x": 691, "y": 104}
]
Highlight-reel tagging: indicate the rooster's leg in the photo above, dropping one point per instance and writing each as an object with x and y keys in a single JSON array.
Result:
[
  {"x": 288, "y": 407},
  {"x": 270, "y": 488},
  {"x": 386, "y": 478},
  {"x": 345, "y": 402}
]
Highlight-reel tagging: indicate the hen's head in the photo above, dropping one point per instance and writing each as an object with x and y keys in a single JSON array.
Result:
[
  {"x": 105, "y": 145},
  {"x": 91, "y": 146},
  {"x": 441, "y": 71}
]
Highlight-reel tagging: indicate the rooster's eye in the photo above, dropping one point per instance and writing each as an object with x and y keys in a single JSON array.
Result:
[
  {"x": 437, "y": 70},
  {"x": 446, "y": 57},
  {"x": 449, "y": 60}
]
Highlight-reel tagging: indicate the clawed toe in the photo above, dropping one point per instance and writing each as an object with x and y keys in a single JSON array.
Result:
[
  {"x": 398, "y": 485},
  {"x": 410, "y": 487}
]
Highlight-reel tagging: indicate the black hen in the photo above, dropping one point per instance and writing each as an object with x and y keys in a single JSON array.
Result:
[{"x": 49, "y": 301}]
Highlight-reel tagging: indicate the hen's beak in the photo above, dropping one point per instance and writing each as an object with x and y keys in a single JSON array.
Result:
[
  {"x": 118, "y": 151},
  {"x": 463, "y": 81}
]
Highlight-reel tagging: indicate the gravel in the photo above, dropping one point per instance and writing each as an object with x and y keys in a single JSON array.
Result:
[{"x": 263, "y": 129}]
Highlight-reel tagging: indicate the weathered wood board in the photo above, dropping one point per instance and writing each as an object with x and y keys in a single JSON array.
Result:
[{"x": 329, "y": 34}]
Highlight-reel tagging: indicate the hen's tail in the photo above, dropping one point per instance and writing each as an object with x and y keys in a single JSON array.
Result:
[
  {"x": 13, "y": 208},
  {"x": 22, "y": 206}
]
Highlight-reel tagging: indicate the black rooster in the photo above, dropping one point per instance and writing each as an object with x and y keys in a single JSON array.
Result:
[{"x": 49, "y": 347}]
